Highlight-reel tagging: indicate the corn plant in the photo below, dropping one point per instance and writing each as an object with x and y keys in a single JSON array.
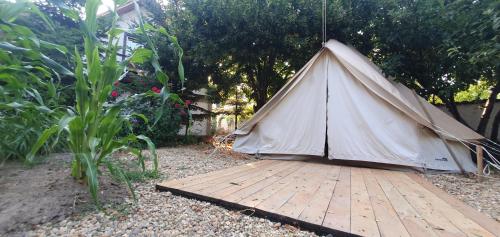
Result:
[
  {"x": 93, "y": 124},
  {"x": 29, "y": 83}
]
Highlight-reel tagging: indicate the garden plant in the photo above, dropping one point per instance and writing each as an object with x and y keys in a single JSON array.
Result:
[{"x": 95, "y": 127}]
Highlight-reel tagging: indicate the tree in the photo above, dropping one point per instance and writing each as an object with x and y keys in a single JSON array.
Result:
[
  {"x": 261, "y": 43},
  {"x": 472, "y": 45},
  {"x": 438, "y": 48}
]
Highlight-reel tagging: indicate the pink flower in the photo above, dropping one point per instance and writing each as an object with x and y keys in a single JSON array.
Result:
[
  {"x": 116, "y": 83},
  {"x": 114, "y": 93},
  {"x": 177, "y": 106},
  {"x": 155, "y": 89},
  {"x": 188, "y": 102}
]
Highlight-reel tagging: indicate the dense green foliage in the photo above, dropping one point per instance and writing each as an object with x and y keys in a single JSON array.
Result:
[
  {"x": 92, "y": 127},
  {"x": 30, "y": 82},
  {"x": 438, "y": 48},
  {"x": 168, "y": 123}
]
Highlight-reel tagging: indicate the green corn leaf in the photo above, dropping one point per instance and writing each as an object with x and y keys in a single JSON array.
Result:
[
  {"x": 10, "y": 47},
  {"x": 91, "y": 173},
  {"x": 117, "y": 172},
  {"x": 35, "y": 95},
  {"x": 40, "y": 142},
  {"x": 91, "y": 7},
  {"x": 55, "y": 65},
  {"x": 140, "y": 158},
  {"x": 141, "y": 56},
  {"x": 95, "y": 67},
  {"x": 93, "y": 144},
  {"x": 48, "y": 45},
  {"x": 113, "y": 32},
  {"x": 152, "y": 149},
  {"x": 81, "y": 88},
  {"x": 142, "y": 116}
]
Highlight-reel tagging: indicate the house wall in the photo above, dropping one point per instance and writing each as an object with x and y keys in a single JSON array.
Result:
[
  {"x": 471, "y": 113},
  {"x": 125, "y": 21},
  {"x": 200, "y": 127}
]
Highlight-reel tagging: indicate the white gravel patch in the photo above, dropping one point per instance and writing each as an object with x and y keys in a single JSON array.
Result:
[
  {"x": 164, "y": 214},
  {"x": 483, "y": 195}
]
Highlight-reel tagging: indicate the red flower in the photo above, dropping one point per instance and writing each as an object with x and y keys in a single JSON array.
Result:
[
  {"x": 177, "y": 106},
  {"x": 114, "y": 93},
  {"x": 188, "y": 102},
  {"x": 116, "y": 83},
  {"x": 155, "y": 89}
]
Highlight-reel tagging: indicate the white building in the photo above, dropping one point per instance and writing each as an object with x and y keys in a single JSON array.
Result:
[{"x": 128, "y": 18}]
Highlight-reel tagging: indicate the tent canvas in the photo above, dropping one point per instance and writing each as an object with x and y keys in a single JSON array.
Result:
[{"x": 341, "y": 101}]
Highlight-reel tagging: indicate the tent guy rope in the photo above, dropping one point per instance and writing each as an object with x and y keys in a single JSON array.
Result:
[{"x": 324, "y": 23}]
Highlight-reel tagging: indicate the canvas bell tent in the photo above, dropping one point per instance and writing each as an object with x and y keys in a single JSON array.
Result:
[{"x": 341, "y": 106}]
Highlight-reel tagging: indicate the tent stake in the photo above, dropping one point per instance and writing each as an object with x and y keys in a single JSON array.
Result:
[
  {"x": 479, "y": 157},
  {"x": 452, "y": 153}
]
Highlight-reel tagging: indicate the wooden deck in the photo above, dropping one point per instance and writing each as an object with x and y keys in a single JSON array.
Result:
[{"x": 336, "y": 199}]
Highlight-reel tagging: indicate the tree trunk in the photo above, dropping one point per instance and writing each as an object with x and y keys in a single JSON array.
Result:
[
  {"x": 264, "y": 76},
  {"x": 494, "y": 127},
  {"x": 260, "y": 101},
  {"x": 488, "y": 109}
]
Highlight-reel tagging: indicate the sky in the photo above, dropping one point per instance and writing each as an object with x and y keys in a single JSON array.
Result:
[{"x": 104, "y": 7}]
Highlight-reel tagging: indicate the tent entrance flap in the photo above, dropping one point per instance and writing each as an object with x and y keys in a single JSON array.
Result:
[
  {"x": 297, "y": 124},
  {"x": 340, "y": 106}
]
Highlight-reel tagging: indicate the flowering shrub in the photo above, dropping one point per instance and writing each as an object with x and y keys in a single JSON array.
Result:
[{"x": 161, "y": 126}]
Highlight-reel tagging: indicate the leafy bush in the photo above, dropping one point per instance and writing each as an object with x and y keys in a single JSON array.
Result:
[
  {"x": 29, "y": 83},
  {"x": 168, "y": 122}
]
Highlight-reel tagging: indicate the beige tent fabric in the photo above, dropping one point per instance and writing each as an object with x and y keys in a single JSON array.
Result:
[
  {"x": 340, "y": 99},
  {"x": 367, "y": 73},
  {"x": 399, "y": 96},
  {"x": 302, "y": 111},
  {"x": 259, "y": 115},
  {"x": 364, "y": 127}
]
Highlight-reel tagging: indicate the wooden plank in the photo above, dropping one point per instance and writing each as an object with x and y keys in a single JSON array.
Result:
[
  {"x": 265, "y": 193},
  {"x": 305, "y": 192},
  {"x": 473, "y": 214},
  {"x": 226, "y": 188},
  {"x": 386, "y": 217},
  {"x": 274, "y": 202},
  {"x": 362, "y": 217},
  {"x": 412, "y": 220},
  {"x": 316, "y": 209},
  {"x": 440, "y": 224},
  {"x": 479, "y": 158},
  {"x": 254, "y": 188},
  {"x": 205, "y": 187},
  {"x": 466, "y": 225},
  {"x": 338, "y": 214},
  {"x": 177, "y": 182},
  {"x": 180, "y": 183}
]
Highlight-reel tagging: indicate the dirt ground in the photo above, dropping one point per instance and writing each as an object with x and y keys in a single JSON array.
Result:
[{"x": 46, "y": 192}]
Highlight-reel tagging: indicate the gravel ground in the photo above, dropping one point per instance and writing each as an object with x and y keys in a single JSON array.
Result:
[
  {"x": 164, "y": 214},
  {"x": 483, "y": 195}
]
